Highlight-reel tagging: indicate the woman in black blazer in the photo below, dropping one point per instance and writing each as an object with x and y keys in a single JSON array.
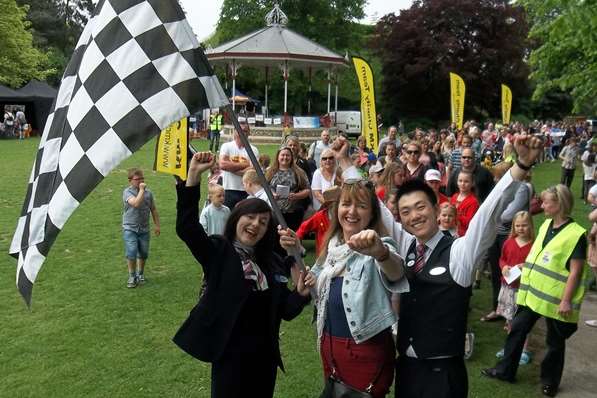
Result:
[{"x": 236, "y": 323}]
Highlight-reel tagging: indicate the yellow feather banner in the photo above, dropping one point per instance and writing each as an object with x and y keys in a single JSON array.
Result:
[
  {"x": 171, "y": 150},
  {"x": 506, "y": 104},
  {"x": 457, "y": 92},
  {"x": 368, "y": 114}
]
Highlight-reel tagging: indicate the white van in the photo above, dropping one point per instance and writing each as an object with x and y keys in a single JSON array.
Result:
[
  {"x": 347, "y": 121},
  {"x": 592, "y": 125}
]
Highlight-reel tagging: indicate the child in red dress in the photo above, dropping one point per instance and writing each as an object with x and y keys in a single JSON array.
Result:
[
  {"x": 465, "y": 201},
  {"x": 514, "y": 252}
]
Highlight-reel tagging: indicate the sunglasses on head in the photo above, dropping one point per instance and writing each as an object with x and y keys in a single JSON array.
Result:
[{"x": 358, "y": 181}]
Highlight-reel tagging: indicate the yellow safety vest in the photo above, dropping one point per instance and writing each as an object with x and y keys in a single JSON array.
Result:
[
  {"x": 544, "y": 275},
  {"x": 215, "y": 122}
]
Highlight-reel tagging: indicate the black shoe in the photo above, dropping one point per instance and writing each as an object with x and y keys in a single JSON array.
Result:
[
  {"x": 550, "y": 391},
  {"x": 492, "y": 373}
]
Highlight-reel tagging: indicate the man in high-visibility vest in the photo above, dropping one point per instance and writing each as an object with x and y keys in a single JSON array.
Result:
[
  {"x": 215, "y": 125},
  {"x": 552, "y": 286}
]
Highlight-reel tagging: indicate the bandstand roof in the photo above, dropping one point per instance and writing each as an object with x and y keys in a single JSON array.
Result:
[{"x": 274, "y": 43}]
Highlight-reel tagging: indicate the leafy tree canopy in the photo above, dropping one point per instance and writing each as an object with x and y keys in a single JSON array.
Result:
[
  {"x": 325, "y": 21},
  {"x": 330, "y": 23},
  {"x": 56, "y": 27},
  {"x": 484, "y": 41},
  {"x": 565, "y": 58},
  {"x": 19, "y": 60}
]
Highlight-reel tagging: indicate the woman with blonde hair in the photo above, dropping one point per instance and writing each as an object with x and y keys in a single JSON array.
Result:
[
  {"x": 552, "y": 286},
  {"x": 508, "y": 153},
  {"x": 325, "y": 177},
  {"x": 353, "y": 278}
]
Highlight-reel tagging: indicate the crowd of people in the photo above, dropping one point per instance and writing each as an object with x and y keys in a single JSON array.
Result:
[
  {"x": 402, "y": 234},
  {"x": 14, "y": 123}
]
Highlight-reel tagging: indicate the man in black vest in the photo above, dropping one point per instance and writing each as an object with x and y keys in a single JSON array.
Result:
[{"x": 433, "y": 315}]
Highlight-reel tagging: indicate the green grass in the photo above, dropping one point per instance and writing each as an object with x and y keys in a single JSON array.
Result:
[{"x": 88, "y": 335}]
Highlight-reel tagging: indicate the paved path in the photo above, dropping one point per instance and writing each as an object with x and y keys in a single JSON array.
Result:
[{"x": 580, "y": 370}]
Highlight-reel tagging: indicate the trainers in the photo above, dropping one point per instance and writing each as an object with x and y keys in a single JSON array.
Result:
[
  {"x": 141, "y": 279},
  {"x": 469, "y": 342},
  {"x": 132, "y": 282},
  {"x": 525, "y": 358},
  {"x": 591, "y": 322}
]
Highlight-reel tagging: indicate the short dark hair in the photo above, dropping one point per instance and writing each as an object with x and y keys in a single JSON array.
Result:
[
  {"x": 416, "y": 185},
  {"x": 265, "y": 247}
]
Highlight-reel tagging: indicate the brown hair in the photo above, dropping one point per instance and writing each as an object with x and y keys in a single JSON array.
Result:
[
  {"x": 134, "y": 171},
  {"x": 362, "y": 190},
  {"x": 299, "y": 174},
  {"x": 386, "y": 179},
  {"x": 448, "y": 206},
  {"x": 264, "y": 160}
]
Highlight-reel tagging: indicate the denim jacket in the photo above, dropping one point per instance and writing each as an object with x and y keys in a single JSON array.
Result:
[{"x": 366, "y": 294}]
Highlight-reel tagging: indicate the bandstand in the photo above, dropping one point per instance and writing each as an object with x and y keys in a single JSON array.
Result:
[{"x": 273, "y": 48}]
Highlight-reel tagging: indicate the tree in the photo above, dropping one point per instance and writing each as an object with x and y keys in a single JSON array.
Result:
[
  {"x": 19, "y": 60},
  {"x": 484, "y": 41},
  {"x": 327, "y": 22},
  {"x": 565, "y": 56},
  {"x": 56, "y": 27}
]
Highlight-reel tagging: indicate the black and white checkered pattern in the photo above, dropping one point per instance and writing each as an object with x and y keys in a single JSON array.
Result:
[{"x": 136, "y": 69}]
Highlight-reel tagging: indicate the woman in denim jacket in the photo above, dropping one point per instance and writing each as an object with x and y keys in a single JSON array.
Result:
[{"x": 354, "y": 277}]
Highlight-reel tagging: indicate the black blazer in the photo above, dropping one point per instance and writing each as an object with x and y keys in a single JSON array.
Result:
[{"x": 206, "y": 332}]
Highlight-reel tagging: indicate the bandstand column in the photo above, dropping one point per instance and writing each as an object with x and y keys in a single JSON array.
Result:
[
  {"x": 285, "y": 75},
  {"x": 266, "y": 89},
  {"x": 329, "y": 88},
  {"x": 234, "y": 71},
  {"x": 336, "y": 100},
  {"x": 309, "y": 96}
]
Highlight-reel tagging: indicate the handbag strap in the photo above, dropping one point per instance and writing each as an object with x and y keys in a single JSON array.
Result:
[{"x": 333, "y": 361}]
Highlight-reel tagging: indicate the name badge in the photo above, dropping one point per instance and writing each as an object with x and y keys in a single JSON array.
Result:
[{"x": 437, "y": 271}]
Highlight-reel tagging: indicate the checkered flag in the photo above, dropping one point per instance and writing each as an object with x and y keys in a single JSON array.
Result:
[{"x": 136, "y": 69}]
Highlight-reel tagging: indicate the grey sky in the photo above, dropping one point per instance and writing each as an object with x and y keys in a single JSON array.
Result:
[{"x": 203, "y": 14}]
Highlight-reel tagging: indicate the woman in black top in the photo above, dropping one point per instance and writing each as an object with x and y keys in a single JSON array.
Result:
[{"x": 236, "y": 323}]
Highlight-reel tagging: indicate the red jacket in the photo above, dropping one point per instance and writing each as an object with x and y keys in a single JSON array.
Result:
[
  {"x": 465, "y": 211},
  {"x": 512, "y": 255},
  {"x": 318, "y": 223}
]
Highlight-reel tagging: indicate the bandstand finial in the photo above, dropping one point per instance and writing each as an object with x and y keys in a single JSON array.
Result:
[{"x": 276, "y": 16}]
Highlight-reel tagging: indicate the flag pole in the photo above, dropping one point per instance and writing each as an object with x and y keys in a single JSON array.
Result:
[{"x": 275, "y": 208}]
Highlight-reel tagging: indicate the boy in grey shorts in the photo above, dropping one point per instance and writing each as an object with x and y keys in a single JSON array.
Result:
[{"x": 138, "y": 203}]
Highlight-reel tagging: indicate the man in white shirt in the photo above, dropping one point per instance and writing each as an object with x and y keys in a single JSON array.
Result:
[
  {"x": 392, "y": 137},
  {"x": 433, "y": 315},
  {"x": 234, "y": 161},
  {"x": 589, "y": 162},
  {"x": 440, "y": 272},
  {"x": 318, "y": 147}
]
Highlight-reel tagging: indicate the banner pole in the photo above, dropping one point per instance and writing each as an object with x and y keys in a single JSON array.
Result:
[{"x": 275, "y": 208}]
